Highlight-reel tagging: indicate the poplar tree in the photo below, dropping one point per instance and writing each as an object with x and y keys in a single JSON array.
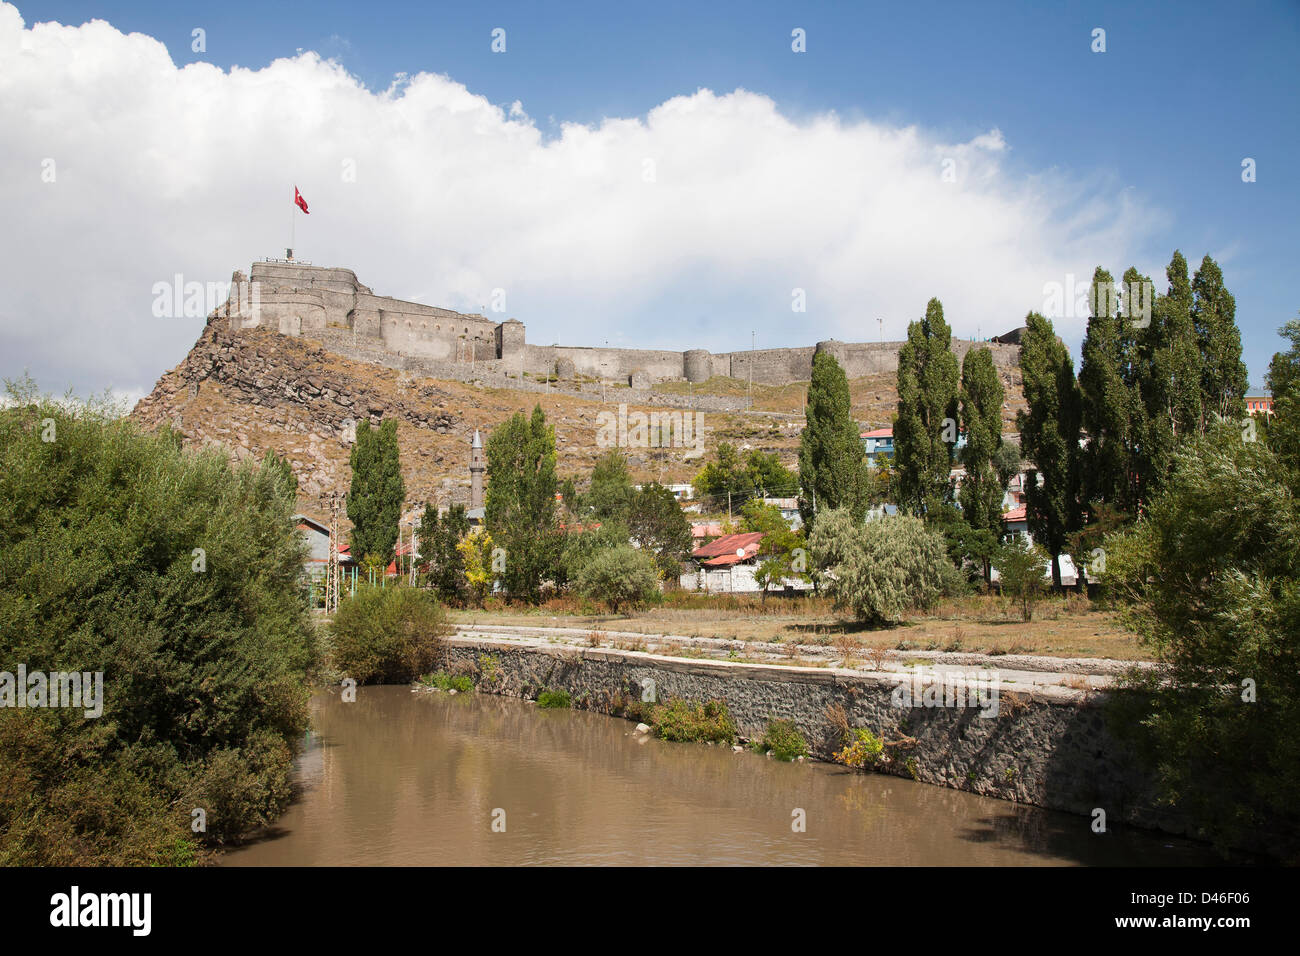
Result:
[
  {"x": 519, "y": 506},
  {"x": 832, "y": 461},
  {"x": 1284, "y": 382},
  {"x": 1223, "y": 374},
  {"x": 375, "y": 497},
  {"x": 925, "y": 431},
  {"x": 1049, "y": 437},
  {"x": 1106, "y": 398},
  {"x": 981, "y": 414},
  {"x": 1171, "y": 387}
]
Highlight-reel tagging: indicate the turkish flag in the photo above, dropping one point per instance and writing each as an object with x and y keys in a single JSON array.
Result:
[{"x": 299, "y": 201}]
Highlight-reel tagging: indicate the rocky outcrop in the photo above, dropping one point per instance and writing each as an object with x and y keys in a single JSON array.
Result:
[{"x": 268, "y": 371}]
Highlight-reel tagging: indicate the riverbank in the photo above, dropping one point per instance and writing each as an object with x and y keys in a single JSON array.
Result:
[{"x": 1047, "y": 744}]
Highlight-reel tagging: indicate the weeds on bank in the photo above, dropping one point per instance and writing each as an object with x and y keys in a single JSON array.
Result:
[
  {"x": 441, "y": 680},
  {"x": 680, "y": 721},
  {"x": 783, "y": 741},
  {"x": 554, "y": 699}
]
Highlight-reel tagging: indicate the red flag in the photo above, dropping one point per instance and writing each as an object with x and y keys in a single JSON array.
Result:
[{"x": 299, "y": 201}]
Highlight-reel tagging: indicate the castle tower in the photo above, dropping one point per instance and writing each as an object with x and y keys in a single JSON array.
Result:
[{"x": 476, "y": 469}]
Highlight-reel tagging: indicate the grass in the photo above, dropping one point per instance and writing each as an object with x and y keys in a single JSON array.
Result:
[
  {"x": 555, "y": 699},
  {"x": 684, "y": 722},
  {"x": 783, "y": 741},
  {"x": 444, "y": 681},
  {"x": 1067, "y": 626}
]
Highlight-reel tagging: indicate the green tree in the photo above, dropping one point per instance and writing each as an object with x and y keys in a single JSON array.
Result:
[
  {"x": 1170, "y": 390},
  {"x": 660, "y": 528},
  {"x": 1284, "y": 383},
  {"x": 439, "y": 538},
  {"x": 1108, "y": 401},
  {"x": 726, "y": 480},
  {"x": 520, "y": 507},
  {"x": 285, "y": 479},
  {"x": 1210, "y": 579},
  {"x": 1223, "y": 374},
  {"x": 621, "y": 576},
  {"x": 767, "y": 474},
  {"x": 1049, "y": 437},
  {"x": 981, "y": 414},
  {"x": 1021, "y": 565},
  {"x": 832, "y": 461},
  {"x": 882, "y": 569},
  {"x": 377, "y": 491},
  {"x": 177, "y": 578},
  {"x": 611, "y": 493},
  {"x": 925, "y": 431}
]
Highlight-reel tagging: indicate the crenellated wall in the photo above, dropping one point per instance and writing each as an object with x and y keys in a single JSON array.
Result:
[{"x": 297, "y": 299}]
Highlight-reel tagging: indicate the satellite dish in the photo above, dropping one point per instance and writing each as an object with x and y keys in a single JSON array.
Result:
[{"x": 740, "y": 552}]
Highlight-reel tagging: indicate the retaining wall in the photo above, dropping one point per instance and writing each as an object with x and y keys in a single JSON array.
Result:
[{"x": 1050, "y": 747}]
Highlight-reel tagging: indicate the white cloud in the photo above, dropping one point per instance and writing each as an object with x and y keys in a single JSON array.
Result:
[{"x": 162, "y": 170}]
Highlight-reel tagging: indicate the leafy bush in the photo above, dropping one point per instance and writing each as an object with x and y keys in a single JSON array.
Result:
[
  {"x": 386, "y": 635},
  {"x": 784, "y": 740},
  {"x": 1210, "y": 578},
  {"x": 679, "y": 721},
  {"x": 880, "y": 569},
  {"x": 555, "y": 698},
  {"x": 205, "y": 654},
  {"x": 620, "y": 576}
]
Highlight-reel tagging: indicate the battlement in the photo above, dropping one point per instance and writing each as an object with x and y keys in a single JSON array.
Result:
[{"x": 330, "y": 305}]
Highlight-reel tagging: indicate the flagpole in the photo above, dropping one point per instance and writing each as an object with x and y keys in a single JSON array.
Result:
[{"x": 293, "y": 221}]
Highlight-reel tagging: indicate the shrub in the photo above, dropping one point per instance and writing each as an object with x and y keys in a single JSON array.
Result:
[
  {"x": 679, "y": 721},
  {"x": 862, "y": 749},
  {"x": 883, "y": 568},
  {"x": 386, "y": 635},
  {"x": 444, "y": 681},
  {"x": 555, "y": 699},
  {"x": 206, "y": 656},
  {"x": 1021, "y": 567},
  {"x": 1210, "y": 578},
  {"x": 784, "y": 740},
  {"x": 621, "y": 577}
]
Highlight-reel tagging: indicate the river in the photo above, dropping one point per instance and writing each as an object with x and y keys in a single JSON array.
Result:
[{"x": 402, "y": 778}]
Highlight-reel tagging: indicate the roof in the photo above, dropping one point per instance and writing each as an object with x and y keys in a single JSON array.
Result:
[
  {"x": 1016, "y": 514},
  {"x": 723, "y": 551},
  {"x": 878, "y": 433},
  {"x": 312, "y": 523}
]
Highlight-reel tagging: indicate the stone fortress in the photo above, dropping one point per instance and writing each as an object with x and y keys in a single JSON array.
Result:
[{"x": 331, "y": 307}]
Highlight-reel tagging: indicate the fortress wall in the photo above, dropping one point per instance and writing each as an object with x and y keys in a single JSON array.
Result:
[
  {"x": 607, "y": 363},
  {"x": 772, "y": 366}
]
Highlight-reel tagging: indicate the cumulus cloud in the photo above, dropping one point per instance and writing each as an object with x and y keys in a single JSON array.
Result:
[{"x": 688, "y": 226}]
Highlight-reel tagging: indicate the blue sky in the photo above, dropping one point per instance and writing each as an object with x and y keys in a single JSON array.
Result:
[{"x": 1166, "y": 115}]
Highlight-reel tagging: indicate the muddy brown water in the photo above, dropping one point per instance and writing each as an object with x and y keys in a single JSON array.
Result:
[{"x": 402, "y": 778}]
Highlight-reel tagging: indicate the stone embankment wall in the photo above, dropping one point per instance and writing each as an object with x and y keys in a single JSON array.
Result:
[{"x": 1050, "y": 748}]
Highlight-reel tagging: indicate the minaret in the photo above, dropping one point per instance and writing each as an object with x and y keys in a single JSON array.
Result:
[{"x": 476, "y": 468}]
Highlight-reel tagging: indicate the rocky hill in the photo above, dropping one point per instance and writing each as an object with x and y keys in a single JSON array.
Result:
[{"x": 252, "y": 390}]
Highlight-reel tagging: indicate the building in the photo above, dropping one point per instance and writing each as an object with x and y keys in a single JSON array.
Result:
[
  {"x": 1259, "y": 401},
  {"x": 878, "y": 443}
]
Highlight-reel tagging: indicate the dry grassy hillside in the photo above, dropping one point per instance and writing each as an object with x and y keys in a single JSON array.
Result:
[{"x": 255, "y": 390}]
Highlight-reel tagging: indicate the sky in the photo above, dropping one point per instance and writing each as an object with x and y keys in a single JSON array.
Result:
[{"x": 648, "y": 175}]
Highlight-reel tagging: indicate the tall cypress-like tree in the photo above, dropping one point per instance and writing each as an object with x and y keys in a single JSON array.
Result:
[
  {"x": 832, "y": 461},
  {"x": 438, "y": 539},
  {"x": 925, "y": 431},
  {"x": 1049, "y": 437},
  {"x": 1107, "y": 398},
  {"x": 519, "y": 509},
  {"x": 1214, "y": 316},
  {"x": 375, "y": 497},
  {"x": 1171, "y": 386},
  {"x": 1284, "y": 383},
  {"x": 981, "y": 414}
]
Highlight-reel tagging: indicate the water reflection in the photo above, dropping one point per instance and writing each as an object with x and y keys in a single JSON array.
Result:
[{"x": 398, "y": 778}]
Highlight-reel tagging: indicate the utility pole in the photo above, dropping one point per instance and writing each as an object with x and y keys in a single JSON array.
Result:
[{"x": 332, "y": 569}]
